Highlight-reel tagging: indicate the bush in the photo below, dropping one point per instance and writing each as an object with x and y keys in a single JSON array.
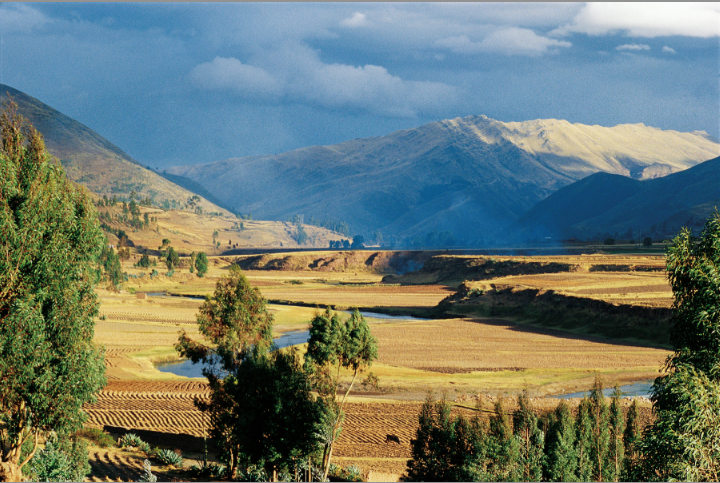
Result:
[
  {"x": 168, "y": 457},
  {"x": 60, "y": 460},
  {"x": 96, "y": 436},
  {"x": 212, "y": 471},
  {"x": 647, "y": 241},
  {"x": 130, "y": 440},
  {"x": 609, "y": 241}
]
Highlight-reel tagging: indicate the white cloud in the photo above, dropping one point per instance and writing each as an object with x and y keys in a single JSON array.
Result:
[
  {"x": 692, "y": 19},
  {"x": 18, "y": 17},
  {"x": 633, "y": 47},
  {"x": 294, "y": 72},
  {"x": 357, "y": 20},
  {"x": 511, "y": 41},
  {"x": 668, "y": 50},
  {"x": 231, "y": 74}
]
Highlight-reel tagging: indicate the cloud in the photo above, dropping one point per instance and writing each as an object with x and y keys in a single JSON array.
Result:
[
  {"x": 510, "y": 41},
  {"x": 357, "y": 20},
  {"x": 649, "y": 20},
  {"x": 231, "y": 74},
  {"x": 20, "y": 18},
  {"x": 633, "y": 47},
  {"x": 668, "y": 50},
  {"x": 295, "y": 73}
]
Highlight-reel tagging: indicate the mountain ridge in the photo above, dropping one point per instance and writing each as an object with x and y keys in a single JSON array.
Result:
[
  {"x": 658, "y": 207},
  {"x": 471, "y": 175},
  {"x": 94, "y": 162}
]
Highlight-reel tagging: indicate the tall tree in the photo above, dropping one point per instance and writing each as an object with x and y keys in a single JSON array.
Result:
[
  {"x": 684, "y": 441},
  {"x": 616, "y": 447},
  {"x": 561, "y": 453},
  {"x": 583, "y": 440},
  {"x": 201, "y": 264},
  {"x": 532, "y": 439},
  {"x": 260, "y": 408},
  {"x": 631, "y": 437},
  {"x": 600, "y": 433},
  {"x": 334, "y": 345},
  {"x": 49, "y": 243}
]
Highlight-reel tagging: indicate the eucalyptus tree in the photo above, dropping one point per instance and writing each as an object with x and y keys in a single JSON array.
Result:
[
  {"x": 334, "y": 345},
  {"x": 50, "y": 241}
]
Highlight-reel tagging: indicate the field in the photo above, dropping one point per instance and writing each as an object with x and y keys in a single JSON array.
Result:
[{"x": 470, "y": 359}]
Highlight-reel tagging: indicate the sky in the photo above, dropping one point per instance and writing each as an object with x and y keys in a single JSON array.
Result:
[{"x": 188, "y": 83}]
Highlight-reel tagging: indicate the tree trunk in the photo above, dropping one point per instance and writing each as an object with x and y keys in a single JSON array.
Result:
[{"x": 10, "y": 472}]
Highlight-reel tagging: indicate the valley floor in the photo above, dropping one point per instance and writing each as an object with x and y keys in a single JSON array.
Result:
[{"x": 471, "y": 359}]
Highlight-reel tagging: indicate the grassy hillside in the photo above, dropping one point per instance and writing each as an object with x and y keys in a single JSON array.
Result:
[
  {"x": 471, "y": 176},
  {"x": 96, "y": 163},
  {"x": 609, "y": 204}
]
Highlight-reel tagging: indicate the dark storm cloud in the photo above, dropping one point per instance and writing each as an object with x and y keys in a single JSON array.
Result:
[{"x": 181, "y": 83}]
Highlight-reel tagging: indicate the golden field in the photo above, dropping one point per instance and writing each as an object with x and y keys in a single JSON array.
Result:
[{"x": 470, "y": 359}]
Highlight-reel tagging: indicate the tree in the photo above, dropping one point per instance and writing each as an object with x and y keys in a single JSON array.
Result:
[
  {"x": 616, "y": 448},
  {"x": 445, "y": 448},
  {"x": 261, "y": 409},
  {"x": 201, "y": 264},
  {"x": 600, "y": 432},
  {"x": 684, "y": 441},
  {"x": 334, "y": 345},
  {"x": 561, "y": 461},
  {"x": 532, "y": 440},
  {"x": 171, "y": 259},
  {"x": 503, "y": 449},
  {"x": 50, "y": 241},
  {"x": 583, "y": 440},
  {"x": 193, "y": 258},
  {"x": 647, "y": 241},
  {"x": 631, "y": 439}
]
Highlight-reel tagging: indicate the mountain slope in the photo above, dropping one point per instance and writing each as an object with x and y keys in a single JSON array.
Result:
[
  {"x": 608, "y": 204},
  {"x": 471, "y": 176},
  {"x": 93, "y": 161}
]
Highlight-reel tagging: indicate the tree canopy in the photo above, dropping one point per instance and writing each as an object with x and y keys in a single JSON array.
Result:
[{"x": 50, "y": 241}]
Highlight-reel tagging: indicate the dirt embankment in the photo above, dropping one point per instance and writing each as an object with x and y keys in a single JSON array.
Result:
[
  {"x": 548, "y": 308},
  {"x": 344, "y": 261},
  {"x": 449, "y": 269}
]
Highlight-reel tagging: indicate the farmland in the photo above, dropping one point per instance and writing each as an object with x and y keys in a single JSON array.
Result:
[{"x": 472, "y": 359}]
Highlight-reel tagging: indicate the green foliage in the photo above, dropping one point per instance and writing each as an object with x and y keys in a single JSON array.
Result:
[
  {"x": 50, "y": 241},
  {"x": 609, "y": 241},
  {"x": 129, "y": 440},
  {"x": 446, "y": 448},
  {"x": 110, "y": 263},
  {"x": 531, "y": 438},
  {"x": 201, "y": 264},
  {"x": 168, "y": 457},
  {"x": 647, "y": 241},
  {"x": 171, "y": 259},
  {"x": 300, "y": 236},
  {"x": 684, "y": 441},
  {"x": 144, "y": 261},
  {"x": 262, "y": 411},
  {"x": 332, "y": 345},
  {"x": 616, "y": 447},
  {"x": 561, "y": 462},
  {"x": 60, "y": 460}
]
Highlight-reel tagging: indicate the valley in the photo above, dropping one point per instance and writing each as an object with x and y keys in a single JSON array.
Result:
[{"x": 473, "y": 359}]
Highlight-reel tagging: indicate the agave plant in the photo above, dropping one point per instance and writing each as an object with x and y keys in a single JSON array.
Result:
[
  {"x": 169, "y": 457},
  {"x": 130, "y": 439}
]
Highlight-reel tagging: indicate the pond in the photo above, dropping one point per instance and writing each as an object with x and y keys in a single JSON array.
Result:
[{"x": 638, "y": 389}]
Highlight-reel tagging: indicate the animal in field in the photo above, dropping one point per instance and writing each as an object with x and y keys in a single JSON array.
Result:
[{"x": 392, "y": 437}]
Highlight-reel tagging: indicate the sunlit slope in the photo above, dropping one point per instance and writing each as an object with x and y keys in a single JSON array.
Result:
[
  {"x": 472, "y": 175},
  {"x": 608, "y": 204},
  {"x": 92, "y": 160}
]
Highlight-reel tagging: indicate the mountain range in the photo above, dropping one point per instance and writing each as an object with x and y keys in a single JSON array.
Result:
[
  {"x": 475, "y": 177},
  {"x": 471, "y": 176}
]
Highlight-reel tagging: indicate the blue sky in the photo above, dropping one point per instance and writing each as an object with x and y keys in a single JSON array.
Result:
[{"x": 187, "y": 83}]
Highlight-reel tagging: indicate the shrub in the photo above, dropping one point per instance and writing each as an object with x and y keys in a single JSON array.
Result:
[
  {"x": 130, "y": 440},
  {"x": 210, "y": 470},
  {"x": 60, "y": 460},
  {"x": 168, "y": 457},
  {"x": 97, "y": 436}
]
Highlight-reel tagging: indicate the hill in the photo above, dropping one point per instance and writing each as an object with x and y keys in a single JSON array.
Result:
[
  {"x": 470, "y": 176},
  {"x": 96, "y": 163},
  {"x": 609, "y": 205}
]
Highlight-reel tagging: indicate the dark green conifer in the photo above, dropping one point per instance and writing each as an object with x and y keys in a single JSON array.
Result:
[{"x": 562, "y": 459}]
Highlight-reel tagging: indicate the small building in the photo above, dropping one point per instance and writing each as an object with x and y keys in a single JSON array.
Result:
[{"x": 141, "y": 295}]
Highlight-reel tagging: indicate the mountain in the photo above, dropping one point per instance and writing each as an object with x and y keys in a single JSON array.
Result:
[
  {"x": 93, "y": 161},
  {"x": 470, "y": 176},
  {"x": 608, "y": 204}
]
